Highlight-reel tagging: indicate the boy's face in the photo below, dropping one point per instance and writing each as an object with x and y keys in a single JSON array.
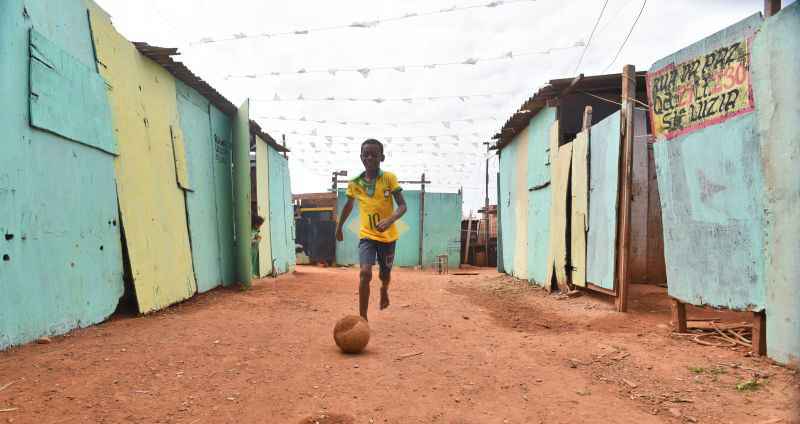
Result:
[{"x": 371, "y": 157}]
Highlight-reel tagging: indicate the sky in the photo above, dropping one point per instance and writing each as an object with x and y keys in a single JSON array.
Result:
[{"x": 318, "y": 47}]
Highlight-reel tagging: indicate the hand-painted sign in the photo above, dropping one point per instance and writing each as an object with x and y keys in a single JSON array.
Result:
[{"x": 702, "y": 91}]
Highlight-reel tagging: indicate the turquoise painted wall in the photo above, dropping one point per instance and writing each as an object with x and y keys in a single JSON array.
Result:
[
  {"x": 539, "y": 193},
  {"x": 711, "y": 184},
  {"x": 775, "y": 67},
  {"x": 528, "y": 179},
  {"x": 281, "y": 213},
  {"x": 60, "y": 251},
  {"x": 508, "y": 224},
  {"x": 442, "y": 230},
  {"x": 209, "y": 204},
  {"x": 604, "y": 145}
]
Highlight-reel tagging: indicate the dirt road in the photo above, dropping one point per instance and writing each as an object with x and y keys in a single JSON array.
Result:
[{"x": 450, "y": 349}]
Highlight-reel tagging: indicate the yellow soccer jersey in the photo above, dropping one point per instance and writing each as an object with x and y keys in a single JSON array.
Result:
[{"x": 375, "y": 203}]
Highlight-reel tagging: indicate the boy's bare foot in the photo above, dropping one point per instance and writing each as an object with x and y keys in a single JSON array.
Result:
[{"x": 384, "y": 297}]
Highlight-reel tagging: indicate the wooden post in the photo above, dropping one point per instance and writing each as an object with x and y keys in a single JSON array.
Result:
[
  {"x": 587, "y": 118},
  {"x": 771, "y": 7},
  {"x": 421, "y": 219},
  {"x": 759, "y": 333},
  {"x": 625, "y": 188},
  {"x": 678, "y": 316},
  {"x": 469, "y": 237}
]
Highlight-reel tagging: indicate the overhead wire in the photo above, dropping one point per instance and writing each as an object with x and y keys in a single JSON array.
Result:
[
  {"x": 622, "y": 46},
  {"x": 589, "y": 41}
]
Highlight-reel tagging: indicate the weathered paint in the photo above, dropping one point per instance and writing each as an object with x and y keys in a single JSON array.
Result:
[
  {"x": 153, "y": 209},
  {"x": 241, "y": 195},
  {"x": 580, "y": 208},
  {"x": 601, "y": 237},
  {"x": 519, "y": 205},
  {"x": 442, "y": 230},
  {"x": 407, "y": 249},
  {"x": 507, "y": 224},
  {"x": 539, "y": 192},
  {"x": 209, "y": 204},
  {"x": 179, "y": 156},
  {"x": 640, "y": 194},
  {"x": 262, "y": 207},
  {"x": 281, "y": 213},
  {"x": 67, "y": 96},
  {"x": 775, "y": 66},
  {"x": 710, "y": 183},
  {"x": 559, "y": 220},
  {"x": 60, "y": 260}
]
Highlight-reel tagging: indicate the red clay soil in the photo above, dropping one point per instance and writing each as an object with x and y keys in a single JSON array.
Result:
[{"x": 450, "y": 349}]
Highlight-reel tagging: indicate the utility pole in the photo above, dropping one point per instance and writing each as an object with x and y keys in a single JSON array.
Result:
[{"x": 486, "y": 207}]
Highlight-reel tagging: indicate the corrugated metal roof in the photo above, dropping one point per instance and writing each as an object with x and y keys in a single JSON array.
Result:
[
  {"x": 163, "y": 56},
  {"x": 554, "y": 89}
]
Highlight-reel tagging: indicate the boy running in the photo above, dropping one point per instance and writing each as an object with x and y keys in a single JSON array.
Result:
[{"x": 374, "y": 189}]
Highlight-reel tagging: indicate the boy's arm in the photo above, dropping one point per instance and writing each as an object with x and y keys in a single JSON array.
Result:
[
  {"x": 397, "y": 214},
  {"x": 348, "y": 207}
]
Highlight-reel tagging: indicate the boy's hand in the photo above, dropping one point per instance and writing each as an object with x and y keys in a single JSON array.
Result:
[
  {"x": 339, "y": 235},
  {"x": 384, "y": 224}
]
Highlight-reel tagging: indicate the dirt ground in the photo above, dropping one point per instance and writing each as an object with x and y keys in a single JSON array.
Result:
[{"x": 451, "y": 349}]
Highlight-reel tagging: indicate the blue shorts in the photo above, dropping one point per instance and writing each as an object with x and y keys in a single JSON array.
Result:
[{"x": 369, "y": 250}]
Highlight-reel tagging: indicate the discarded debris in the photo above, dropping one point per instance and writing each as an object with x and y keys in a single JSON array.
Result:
[
  {"x": 748, "y": 386},
  {"x": 8, "y": 409},
  {"x": 630, "y": 384},
  {"x": 408, "y": 355}
]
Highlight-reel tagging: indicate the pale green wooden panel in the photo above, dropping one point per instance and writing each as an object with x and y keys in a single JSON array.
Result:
[
  {"x": 539, "y": 193},
  {"x": 241, "y": 194},
  {"x": 210, "y": 222},
  {"x": 59, "y": 233},
  {"x": 775, "y": 66},
  {"x": 601, "y": 239},
  {"x": 711, "y": 187},
  {"x": 281, "y": 215},
  {"x": 68, "y": 97}
]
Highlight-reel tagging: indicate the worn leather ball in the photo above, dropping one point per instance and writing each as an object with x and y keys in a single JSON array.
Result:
[{"x": 351, "y": 334}]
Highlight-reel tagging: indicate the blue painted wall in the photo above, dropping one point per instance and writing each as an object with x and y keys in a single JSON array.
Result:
[
  {"x": 775, "y": 67},
  {"x": 209, "y": 204},
  {"x": 710, "y": 182},
  {"x": 60, "y": 251},
  {"x": 442, "y": 229}
]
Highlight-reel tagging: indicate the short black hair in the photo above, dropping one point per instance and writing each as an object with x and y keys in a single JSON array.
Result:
[{"x": 372, "y": 141}]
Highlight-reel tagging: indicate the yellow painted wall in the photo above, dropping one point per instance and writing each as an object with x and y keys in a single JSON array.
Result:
[
  {"x": 152, "y": 205},
  {"x": 262, "y": 204},
  {"x": 520, "y": 205}
]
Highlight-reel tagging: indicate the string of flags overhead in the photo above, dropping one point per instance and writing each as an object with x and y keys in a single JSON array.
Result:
[
  {"x": 387, "y": 139},
  {"x": 366, "y": 70},
  {"x": 364, "y": 24},
  {"x": 462, "y": 97},
  {"x": 446, "y": 123}
]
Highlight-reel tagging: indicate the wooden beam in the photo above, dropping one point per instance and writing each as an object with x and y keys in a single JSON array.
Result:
[
  {"x": 572, "y": 85},
  {"x": 625, "y": 188},
  {"x": 759, "y": 333},
  {"x": 771, "y": 7},
  {"x": 587, "y": 118},
  {"x": 469, "y": 234},
  {"x": 678, "y": 316}
]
